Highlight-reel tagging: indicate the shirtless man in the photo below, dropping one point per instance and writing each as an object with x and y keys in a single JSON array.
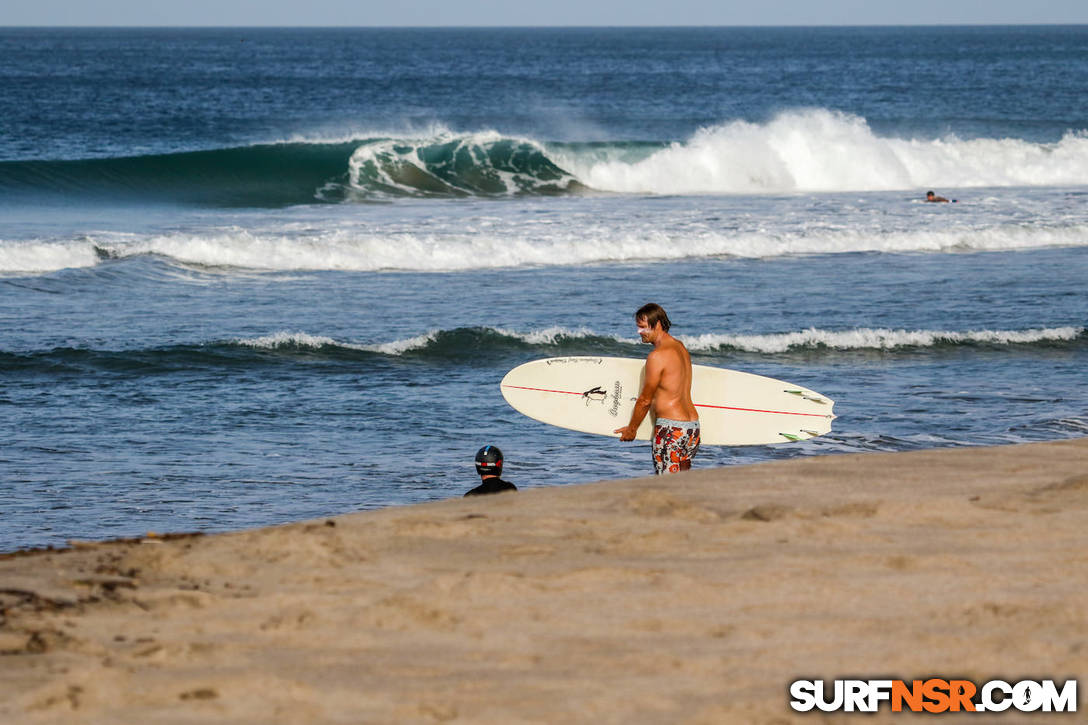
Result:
[{"x": 667, "y": 391}]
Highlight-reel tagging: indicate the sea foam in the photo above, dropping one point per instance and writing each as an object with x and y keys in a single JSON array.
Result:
[
  {"x": 875, "y": 339},
  {"x": 37, "y": 257},
  {"x": 824, "y": 150},
  {"x": 449, "y": 250}
]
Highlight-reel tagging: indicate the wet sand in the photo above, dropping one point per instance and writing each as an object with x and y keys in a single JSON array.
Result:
[{"x": 695, "y": 598}]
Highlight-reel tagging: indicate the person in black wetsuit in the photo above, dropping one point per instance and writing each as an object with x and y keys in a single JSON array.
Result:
[{"x": 489, "y": 466}]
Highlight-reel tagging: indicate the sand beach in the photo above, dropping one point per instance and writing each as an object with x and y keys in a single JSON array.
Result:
[{"x": 696, "y": 598}]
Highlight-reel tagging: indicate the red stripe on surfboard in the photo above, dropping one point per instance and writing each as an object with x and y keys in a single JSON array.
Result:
[
  {"x": 757, "y": 410},
  {"x": 697, "y": 405},
  {"x": 542, "y": 390}
]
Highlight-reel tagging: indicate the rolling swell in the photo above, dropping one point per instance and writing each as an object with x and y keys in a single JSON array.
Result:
[
  {"x": 286, "y": 174},
  {"x": 463, "y": 342},
  {"x": 459, "y": 345},
  {"x": 140, "y": 362},
  {"x": 272, "y": 175}
]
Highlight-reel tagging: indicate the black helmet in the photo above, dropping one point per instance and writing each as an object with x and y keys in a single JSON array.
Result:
[{"x": 489, "y": 461}]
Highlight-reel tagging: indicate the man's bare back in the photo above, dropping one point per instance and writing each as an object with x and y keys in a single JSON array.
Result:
[{"x": 672, "y": 399}]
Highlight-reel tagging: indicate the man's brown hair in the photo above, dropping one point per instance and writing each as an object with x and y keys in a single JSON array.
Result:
[{"x": 654, "y": 313}]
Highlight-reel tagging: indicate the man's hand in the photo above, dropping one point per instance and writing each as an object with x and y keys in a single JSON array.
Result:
[{"x": 655, "y": 367}]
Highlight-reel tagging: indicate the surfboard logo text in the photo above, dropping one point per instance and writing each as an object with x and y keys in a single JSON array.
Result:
[
  {"x": 617, "y": 391},
  {"x": 934, "y": 695},
  {"x": 575, "y": 360}
]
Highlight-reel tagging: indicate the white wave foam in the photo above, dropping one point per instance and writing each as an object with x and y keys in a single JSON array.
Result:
[
  {"x": 351, "y": 251},
  {"x": 39, "y": 257},
  {"x": 399, "y": 347},
  {"x": 499, "y": 246},
  {"x": 549, "y": 335},
  {"x": 874, "y": 339},
  {"x": 822, "y": 150},
  {"x": 348, "y": 250},
  {"x": 286, "y": 338},
  {"x": 289, "y": 339}
]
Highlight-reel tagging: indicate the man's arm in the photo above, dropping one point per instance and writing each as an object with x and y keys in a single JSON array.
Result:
[{"x": 655, "y": 368}]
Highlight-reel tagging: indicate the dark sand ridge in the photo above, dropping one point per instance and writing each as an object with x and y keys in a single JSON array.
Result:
[{"x": 688, "y": 599}]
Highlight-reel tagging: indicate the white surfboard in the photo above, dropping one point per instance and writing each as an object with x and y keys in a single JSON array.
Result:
[{"x": 597, "y": 395}]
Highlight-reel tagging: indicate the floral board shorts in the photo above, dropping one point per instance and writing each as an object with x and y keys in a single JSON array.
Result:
[{"x": 675, "y": 444}]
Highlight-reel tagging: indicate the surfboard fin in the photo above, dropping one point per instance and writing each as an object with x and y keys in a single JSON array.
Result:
[
  {"x": 801, "y": 393},
  {"x": 791, "y": 437}
]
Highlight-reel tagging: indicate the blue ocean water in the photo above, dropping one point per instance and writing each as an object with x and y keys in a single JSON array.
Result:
[{"x": 252, "y": 276}]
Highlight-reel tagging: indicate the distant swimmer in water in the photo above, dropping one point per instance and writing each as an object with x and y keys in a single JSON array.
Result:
[
  {"x": 489, "y": 466},
  {"x": 930, "y": 196}
]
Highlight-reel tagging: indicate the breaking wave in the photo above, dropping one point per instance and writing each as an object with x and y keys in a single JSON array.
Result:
[
  {"x": 561, "y": 340},
  {"x": 814, "y": 150},
  {"x": 822, "y": 151},
  {"x": 457, "y": 342},
  {"x": 450, "y": 165}
]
